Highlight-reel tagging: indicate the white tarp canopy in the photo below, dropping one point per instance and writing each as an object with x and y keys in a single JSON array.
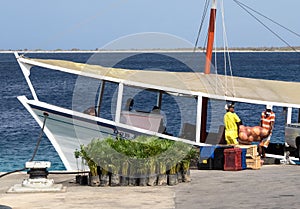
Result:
[{"x": 241, "y": 89}]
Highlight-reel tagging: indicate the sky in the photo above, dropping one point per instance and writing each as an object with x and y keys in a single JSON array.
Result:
[{"x": 96, "y": 24}]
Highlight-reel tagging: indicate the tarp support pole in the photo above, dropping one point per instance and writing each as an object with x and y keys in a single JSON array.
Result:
[
  {"x": 119, "y": 103},
  {"x": 100, "y": 97},
  {"x": 289, "y": 116},
  {"x": 198, "y": 125}
]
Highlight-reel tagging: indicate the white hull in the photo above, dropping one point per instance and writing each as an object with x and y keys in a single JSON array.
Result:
[{"x": 67, "y": 129}]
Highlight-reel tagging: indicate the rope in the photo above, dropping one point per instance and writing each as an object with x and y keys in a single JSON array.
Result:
[
  {"x": 40, "y": 137},
  {"x": 36, "y": 148},
  {"x": 226, "y": 55},
  {"x": 202, "y": 22},
  {"x": 273, "y": 21},
  {"x": 224, "y": 43},
  {"x": 243, "y": 6},
  {"x": 218, "y": 80}
]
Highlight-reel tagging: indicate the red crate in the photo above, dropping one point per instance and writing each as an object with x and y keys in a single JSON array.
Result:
[{"x": 232, "y": 159}]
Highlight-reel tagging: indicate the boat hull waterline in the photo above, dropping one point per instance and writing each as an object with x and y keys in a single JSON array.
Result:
[{"x": 67, "y": 129}]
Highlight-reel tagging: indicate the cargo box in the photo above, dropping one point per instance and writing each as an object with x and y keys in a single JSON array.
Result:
[{"x": 232, "y": 159}]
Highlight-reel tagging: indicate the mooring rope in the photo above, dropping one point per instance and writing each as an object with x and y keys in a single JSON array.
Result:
[{"x": 35, "y": 150}]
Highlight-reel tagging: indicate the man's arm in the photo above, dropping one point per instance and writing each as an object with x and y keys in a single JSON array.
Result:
[{"x": 271, "y": 127}]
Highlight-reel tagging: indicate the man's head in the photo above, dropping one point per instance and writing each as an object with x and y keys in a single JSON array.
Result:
[
  {"x": 269, "y": 107},
  {"x": 229, "y": 107}
]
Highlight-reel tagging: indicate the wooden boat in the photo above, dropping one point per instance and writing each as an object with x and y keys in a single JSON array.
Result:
[{"x": 67, "y": 129}]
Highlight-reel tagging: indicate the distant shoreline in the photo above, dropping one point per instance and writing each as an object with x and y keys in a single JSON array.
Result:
[{"x": 246, "y": 49}]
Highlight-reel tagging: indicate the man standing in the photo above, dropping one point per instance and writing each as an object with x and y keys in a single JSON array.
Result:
[
  {"x": 267, "y": 121},
  {"x": 231, "y": 122}
]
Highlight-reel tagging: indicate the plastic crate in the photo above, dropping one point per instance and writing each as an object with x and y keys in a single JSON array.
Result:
[
  {"x": 206, "y": 158},
  {"x": 251, "y": 150},
  {"x": 207, "y": 152},
  {"x": 206, "y": 164},
  {"x": 243, "y": 158},
  {"x": 219, "y": 157},
  {"x": 232, "y": 159},
  {"x": 253, "y": 163}
]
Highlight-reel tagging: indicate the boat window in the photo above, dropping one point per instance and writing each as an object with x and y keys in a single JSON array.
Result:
[
  {"x": 85, "y": 94},
  {"x": 51, "y": 90},
  {"x": 86, "y": 97},
  {"x": 109, "y": 101},
  {"x": 137, "y": 106},
  {"x": 181, "y": 114},
  {"x": 159, "y": 111},
  {"x": 295, "y": 115},
  {"x": 138, "y": 99}
]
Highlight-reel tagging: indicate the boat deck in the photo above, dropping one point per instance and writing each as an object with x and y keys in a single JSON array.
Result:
[{"x": 273, "y": 186}]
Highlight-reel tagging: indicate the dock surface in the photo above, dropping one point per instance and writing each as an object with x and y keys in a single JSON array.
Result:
[{"x": 272, "y": 186}]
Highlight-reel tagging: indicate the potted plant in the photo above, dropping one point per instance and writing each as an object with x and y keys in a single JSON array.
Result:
[
  {"x": 141, "y": 161},
  {"x": 93, "y": 166},
  {"x": 80, "y": 179},
  {"x": 162, "y": 179},
  {"x": 186, "y": 164}
]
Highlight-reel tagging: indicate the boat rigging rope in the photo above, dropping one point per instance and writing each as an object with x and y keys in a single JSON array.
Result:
[
  {"x": 219, "y": 81},
  {"x": 223, "y": 83},
  {"x": 226, "y": 54},
  {"x": 201, "y": 24},
  {"x": 247, "y": 8},
  {"x": 36, "y": 147}
]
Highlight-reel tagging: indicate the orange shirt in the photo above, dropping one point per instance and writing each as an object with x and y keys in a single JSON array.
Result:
[{"x": 266, "y": 119}]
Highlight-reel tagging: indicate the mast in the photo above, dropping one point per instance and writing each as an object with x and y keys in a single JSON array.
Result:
[
  {"x": 209, "y": 50},
  {"x": 211, "y": 36}
]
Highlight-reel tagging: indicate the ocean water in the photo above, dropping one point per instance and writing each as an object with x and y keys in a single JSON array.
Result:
[{"x": 19, "y": 131}]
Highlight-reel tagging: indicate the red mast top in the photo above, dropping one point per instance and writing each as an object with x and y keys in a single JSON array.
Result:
[{"x": 211, "y": 35}]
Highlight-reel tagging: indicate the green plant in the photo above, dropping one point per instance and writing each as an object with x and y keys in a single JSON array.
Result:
[
  {"x": 142, "y": 155},
  {"x": 90, "y": 162},
  {"x": 77, "y": 156}
]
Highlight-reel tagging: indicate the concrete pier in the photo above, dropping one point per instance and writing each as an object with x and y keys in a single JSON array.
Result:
[{"x": 273, "y": 186}]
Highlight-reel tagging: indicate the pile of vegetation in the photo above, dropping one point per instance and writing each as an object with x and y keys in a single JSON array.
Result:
[{"x": 141, "y": 161}]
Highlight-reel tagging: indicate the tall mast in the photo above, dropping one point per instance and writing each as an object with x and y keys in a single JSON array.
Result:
[
  {"x": 209, "y": 50},
  {"x": 211, "y": 36}
]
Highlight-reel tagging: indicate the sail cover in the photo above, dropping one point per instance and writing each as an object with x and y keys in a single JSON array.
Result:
[{"x": 241, "y": 89}]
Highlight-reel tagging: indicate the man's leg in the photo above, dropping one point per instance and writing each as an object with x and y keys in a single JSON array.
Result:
[
  {"x": 263, "y": 146},
  {"x": 260, "y": 149}
]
